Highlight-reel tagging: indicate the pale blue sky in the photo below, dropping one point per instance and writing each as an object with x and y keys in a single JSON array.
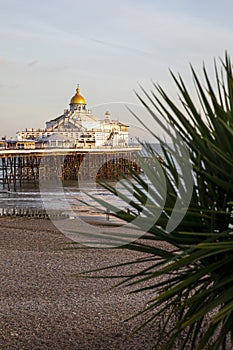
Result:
[{"x": 47, "y": 47}]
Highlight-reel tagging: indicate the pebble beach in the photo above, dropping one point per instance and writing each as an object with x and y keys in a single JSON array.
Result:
[{"x": 46, "y": 304}]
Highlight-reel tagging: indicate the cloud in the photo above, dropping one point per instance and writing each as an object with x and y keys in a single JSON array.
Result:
[
  {"x": 2, "y": 61},
  {"x": 123, "y": 47},
  {"x": 10, "y": 86},
  {"x": 32, "y": 63}
]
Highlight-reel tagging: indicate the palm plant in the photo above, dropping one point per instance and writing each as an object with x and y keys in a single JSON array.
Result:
[{"x": 196, "y": 291}]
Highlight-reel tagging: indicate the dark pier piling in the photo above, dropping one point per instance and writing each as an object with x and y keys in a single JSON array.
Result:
[{"x": 20, "y": 167}]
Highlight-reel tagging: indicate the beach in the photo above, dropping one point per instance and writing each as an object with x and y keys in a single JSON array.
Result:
[{"x": 46, "y": 304}]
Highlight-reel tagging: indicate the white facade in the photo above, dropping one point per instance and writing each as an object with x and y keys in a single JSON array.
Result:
[{"x": 79, "y": 128}]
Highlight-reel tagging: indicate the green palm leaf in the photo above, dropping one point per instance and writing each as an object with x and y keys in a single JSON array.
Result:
[{"x": 195, "y": 295}]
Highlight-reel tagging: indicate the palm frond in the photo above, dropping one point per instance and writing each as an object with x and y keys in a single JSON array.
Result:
[{"x": 195, "y": 294}]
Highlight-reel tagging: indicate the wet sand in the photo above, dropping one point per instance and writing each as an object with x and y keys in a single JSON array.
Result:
[{"x": 44, "y": 304}]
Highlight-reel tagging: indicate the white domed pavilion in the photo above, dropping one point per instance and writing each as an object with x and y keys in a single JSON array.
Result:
[{"x": 77, "y": 127}]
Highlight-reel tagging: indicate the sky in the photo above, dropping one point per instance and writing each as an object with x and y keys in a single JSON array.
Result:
[{"x": 108, "y": 47}]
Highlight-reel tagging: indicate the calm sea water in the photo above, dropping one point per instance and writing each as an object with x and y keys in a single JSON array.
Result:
[{"x": 54, "y": 200}]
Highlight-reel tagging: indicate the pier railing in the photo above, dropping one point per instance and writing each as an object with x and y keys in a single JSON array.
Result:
[{"x": 31, "y": 213}]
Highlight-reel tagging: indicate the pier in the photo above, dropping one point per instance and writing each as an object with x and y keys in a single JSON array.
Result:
[
  {"x": 74, "y": 146},
  {"x": 19, "y": 167}
]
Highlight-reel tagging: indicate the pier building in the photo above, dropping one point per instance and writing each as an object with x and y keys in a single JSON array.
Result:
[
  {"x": 77, "y": 127},
  {"x": 75, "y": 144}
]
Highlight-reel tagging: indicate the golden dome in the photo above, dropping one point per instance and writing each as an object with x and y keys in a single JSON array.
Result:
[{"x": 77, "y": 98}]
